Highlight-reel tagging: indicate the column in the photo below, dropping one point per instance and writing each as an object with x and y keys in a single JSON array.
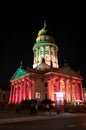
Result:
[
  {"x": 81, "y": 91},
  {"x": 29, "y": 89},
  {"x": 50, "y": 55},
  {"x": 33, "y": 94},
  {"x": 19, "y": 92},
  {"x": 31, "y": 86},
  {"x": 36, "y": 55},
  {"x": 23, "y": 90},
  {"x": 13, "y": 98},
  {"x": 51, "y": 90},
  {"x": 16, "y": 92},
  {"x": 39, "y": 56},
  {"x": 65, "y": 91},
  {"x": 71, "y": 91},
  {"x": 27, "y": 82},
  {"x": 56, "y": 59}
]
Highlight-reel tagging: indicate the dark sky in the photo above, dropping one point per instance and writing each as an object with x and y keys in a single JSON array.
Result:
[{"x": 18, "y": 31}]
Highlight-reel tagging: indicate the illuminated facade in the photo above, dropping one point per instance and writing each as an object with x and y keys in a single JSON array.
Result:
[
  {"x": 46, "y": 79},
  {"x": 84, "y": 94}
]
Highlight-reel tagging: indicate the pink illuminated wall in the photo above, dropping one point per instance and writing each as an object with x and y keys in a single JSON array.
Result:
[
  {"x": 21, "y": 90},
  {"x": 24, "y": 89}
]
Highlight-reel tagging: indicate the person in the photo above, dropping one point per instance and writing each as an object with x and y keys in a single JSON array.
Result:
[
  {"x": 48, "y": 107},
  {"x": 32, "y": 108},
  {"x": 36, "y": 108}
]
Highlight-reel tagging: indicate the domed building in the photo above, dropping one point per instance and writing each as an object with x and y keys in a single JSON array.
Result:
[{"x": 46, "y": 80}]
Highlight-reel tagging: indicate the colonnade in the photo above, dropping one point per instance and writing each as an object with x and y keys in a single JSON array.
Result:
[
  {"x": 21, "y": 90},
  {"x": 71, "y": 89}
]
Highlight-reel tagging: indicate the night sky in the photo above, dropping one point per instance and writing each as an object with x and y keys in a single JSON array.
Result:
[{"x": 18, "y": 32}]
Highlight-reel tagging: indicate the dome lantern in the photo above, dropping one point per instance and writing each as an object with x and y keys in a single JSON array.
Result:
[{"x": 46, "y": 48}]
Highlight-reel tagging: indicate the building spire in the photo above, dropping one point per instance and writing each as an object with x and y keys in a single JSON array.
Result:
[
  {"x": 20, "y": 64},
  {"x": 65, "y": 62},
  {"x": 78, "y": 71},
  {"x": 44, "y": 24}
]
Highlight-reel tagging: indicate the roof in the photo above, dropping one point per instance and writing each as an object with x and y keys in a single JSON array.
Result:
[
  {"x": 20, "y": 72},
  {"x": 69, "y": 71},
  {"x": 42, "y": 66}
]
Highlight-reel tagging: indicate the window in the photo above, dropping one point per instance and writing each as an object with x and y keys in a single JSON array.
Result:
[{"x": 46, "y": 84}]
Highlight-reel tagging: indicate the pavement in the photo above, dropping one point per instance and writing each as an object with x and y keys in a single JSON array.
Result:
[{"x": 12, "y": 116}]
